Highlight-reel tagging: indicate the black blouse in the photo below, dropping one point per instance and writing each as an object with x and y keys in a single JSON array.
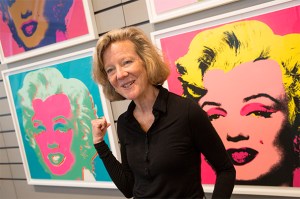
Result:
[{"x": 165, "y": 161}]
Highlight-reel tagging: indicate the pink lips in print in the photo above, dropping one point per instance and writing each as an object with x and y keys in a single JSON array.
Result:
[
  {"x": 29, "y": 28},
  {"x": 242, "y": 156}
]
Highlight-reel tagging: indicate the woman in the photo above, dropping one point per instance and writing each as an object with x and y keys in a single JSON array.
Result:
[
  {"x": 60, "y": 135},
  {"x": 248, "y": 84},
  {"x": 161, "y": 134}
]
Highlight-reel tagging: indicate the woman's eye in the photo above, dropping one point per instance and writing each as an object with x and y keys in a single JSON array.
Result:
[
  {"x": 126, "y": 62},
  {"x": 264, "y": 114},
  {"x": 109, "y": 71}
]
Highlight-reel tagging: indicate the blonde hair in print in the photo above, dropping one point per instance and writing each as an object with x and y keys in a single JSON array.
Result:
[{"x": 230, "y": 45}]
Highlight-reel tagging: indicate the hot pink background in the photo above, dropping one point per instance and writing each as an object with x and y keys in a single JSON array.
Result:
[
  {"x": 282, "y": 22},
  {"x": 76, "y": 26}
]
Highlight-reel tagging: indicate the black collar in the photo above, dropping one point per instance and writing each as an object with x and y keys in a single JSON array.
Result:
[{"x": 160, "y": 104}]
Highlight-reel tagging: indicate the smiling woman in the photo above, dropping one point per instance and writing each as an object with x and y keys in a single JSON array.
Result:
[{"x": 160, "y": 133}]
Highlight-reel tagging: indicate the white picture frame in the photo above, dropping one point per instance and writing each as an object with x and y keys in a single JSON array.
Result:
[
  {"x": 76, "y": 65},
  {"x": 76, "y": 33},
  {"x": 162, "y": 10}
]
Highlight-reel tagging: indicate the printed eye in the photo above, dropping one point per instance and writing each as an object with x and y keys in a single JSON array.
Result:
[
  {"x": 265, "y": 114},
  {"x": 216, "y": 113},
  {"x": 39, "y": 129},
  {"x": 61, "y": 127},
  {"x": 214, "y": 117},
  {"x": 258, "y": 110}
]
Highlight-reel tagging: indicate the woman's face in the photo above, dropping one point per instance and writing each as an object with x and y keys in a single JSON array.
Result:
[
  {"x": 248, "y": 109},
  {"x": 125, "y": 70},
  {"x": 28, "y": 18},
  {"x": 54, "y": 133}
]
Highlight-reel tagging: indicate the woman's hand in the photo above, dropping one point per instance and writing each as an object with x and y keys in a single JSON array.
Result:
[{"x": 99, "y": 127}]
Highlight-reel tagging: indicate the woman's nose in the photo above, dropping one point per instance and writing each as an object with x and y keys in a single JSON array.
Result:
[{"x": 121, "y": 73}]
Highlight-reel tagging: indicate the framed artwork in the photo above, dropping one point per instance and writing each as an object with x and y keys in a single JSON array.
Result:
[
  {"x": 30, "y": 28},
  {"x": 243, "y": 68},
  {"x": 161, "y": 10},
  {"x": 52, "y": 104}
]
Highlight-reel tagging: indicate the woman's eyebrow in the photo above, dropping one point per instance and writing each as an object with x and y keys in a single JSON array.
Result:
[
  {"x": 246, "y": 99},
  {"x": 210, "y": 103}
]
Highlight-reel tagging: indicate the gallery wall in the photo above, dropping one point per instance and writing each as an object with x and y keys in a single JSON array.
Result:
[{"x": 108, "y": 14}]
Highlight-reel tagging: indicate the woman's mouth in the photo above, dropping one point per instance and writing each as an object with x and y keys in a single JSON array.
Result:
[
  {"x": 128, "y": 84},
  {"x": 242, "y": 156},
  {"x": 29, "y": 28}
]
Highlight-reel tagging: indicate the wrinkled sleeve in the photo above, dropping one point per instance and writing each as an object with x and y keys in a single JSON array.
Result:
[
  {"x": 120, "y": 173},
  {"x": 211, "y": 146}
]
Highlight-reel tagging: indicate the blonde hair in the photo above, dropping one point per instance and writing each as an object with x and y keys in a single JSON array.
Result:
[
  {"x": 157, "y": 69},
  {"x": 228, "y": 46}
]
